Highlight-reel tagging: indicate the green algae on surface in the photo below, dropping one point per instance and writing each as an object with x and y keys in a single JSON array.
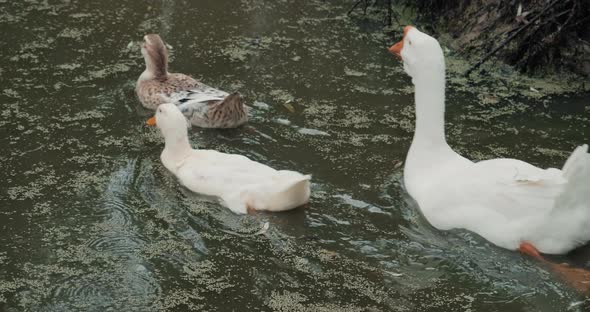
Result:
[
  {"x": 92, "y": 221},
  {"x": 502, "y": 81}
]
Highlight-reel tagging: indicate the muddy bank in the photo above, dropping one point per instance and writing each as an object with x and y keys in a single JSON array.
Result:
[
  {"x": 534, "y": 36},
  {"x": 530, "y": 48}
]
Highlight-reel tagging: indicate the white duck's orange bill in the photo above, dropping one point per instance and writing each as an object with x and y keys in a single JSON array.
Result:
[
  {"x": 151, "y": 121},
  {"x": 397, "y": 48}
]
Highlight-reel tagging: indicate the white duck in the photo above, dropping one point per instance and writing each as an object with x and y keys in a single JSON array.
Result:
[
  {"x": 509, "y": 202},
  {"x": 243, "y": 185}
]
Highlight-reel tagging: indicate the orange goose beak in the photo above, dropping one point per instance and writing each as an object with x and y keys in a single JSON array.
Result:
[
  {"x": 397, "y": 48},
  {"x": 151, "y": 121}
]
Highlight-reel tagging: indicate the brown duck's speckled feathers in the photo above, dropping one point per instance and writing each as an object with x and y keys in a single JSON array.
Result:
[
  {"x": 204, "y": 106},
  {"x": 228, "y": 112},
  {"x": 154, "y": 92}
]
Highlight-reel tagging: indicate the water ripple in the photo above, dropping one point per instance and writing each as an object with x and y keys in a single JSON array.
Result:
[{"x": 129, "y": 286}]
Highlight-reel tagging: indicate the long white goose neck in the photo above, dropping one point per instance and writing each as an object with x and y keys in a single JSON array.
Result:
[
  {"x": 176, "y": 148},
  {"x": 430, "y": 109}
]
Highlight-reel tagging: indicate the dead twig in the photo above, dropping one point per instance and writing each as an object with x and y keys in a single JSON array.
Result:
[
  {"x": 535, "y": 46},
  {"x": 354, "y": 7},
  {"x": 389, "y": 13},
  {"x": 358, "y": 2},
  {"x": 512, "y": 36},
  {"x": 584, "y": 20}
]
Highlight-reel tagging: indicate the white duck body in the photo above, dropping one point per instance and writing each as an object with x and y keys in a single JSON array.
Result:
[
  {"x": 507, "y": 201},
  {"x": 241, "y": 183}
]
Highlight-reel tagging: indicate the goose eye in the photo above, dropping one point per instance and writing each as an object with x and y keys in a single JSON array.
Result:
[
  {"x": 159, "y": 110},
  {"x": 409, "y": 42}
]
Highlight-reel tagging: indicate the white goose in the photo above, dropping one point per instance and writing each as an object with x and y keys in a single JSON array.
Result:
[
  {"x": 243, "y": 185},
  {"x": 509, "y": 202}
]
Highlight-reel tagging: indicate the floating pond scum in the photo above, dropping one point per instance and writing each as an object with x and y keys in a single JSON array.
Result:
[{"x": 91, "y": 221}]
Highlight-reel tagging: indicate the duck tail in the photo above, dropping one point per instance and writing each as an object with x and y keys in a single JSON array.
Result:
[
  {"x": 287, "y": 191},
  {"x": 574, "y": 201},
  {"x": 577, "y": 173},
  {"x": 234, "y": 100},
  {"x": 577, "y": 160}
]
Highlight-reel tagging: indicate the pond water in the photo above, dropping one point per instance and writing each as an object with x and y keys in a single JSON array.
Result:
[{"x": 91, "y": 221}]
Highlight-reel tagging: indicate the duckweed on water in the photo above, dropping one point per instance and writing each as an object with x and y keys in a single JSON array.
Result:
[{"x": 93, "y": 222}]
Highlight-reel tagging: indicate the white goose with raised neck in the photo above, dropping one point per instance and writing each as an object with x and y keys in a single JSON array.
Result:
[
  {"x": 511, "y": 203},
  {"x": 429, "y": 147}
]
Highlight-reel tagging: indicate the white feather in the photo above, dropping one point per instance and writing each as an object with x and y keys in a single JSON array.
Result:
[{"x": 241, "y": 183}]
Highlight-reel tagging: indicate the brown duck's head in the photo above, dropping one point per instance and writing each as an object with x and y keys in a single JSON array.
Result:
[{"x": 155, "y": 55}]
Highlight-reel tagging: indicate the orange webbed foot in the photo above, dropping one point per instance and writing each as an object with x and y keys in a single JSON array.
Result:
[
  {"x": 251, "y": 210},
  {"x": 578, "y": 278},
  {"x": 530, "y": 250}
]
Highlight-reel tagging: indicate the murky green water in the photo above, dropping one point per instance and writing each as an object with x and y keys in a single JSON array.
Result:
[{"x": 91, "y": 221}]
